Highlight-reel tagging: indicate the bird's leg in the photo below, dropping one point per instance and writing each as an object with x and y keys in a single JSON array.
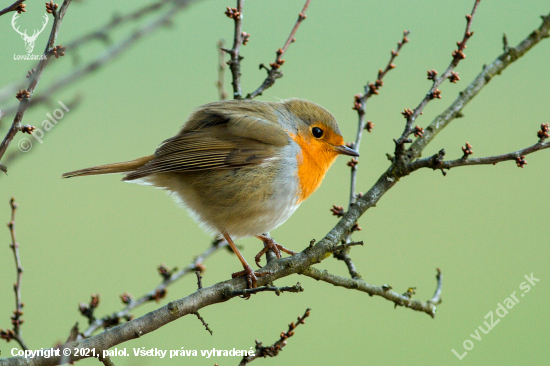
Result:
[
  {"x": 251, "y": 276},
  {"x": 269, "y": 243}
]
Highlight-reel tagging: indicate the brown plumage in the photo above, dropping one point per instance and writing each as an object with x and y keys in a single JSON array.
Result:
[{"x": 126, "y": 166}]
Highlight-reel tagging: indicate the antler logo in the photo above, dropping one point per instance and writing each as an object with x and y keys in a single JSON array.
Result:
[{"x": 29, "y": 40}]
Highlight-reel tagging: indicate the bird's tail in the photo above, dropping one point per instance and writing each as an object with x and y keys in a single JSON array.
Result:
[{"x": 124, "y": 167}]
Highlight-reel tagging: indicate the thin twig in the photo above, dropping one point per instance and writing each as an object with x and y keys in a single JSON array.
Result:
[
  {"x": 16, "y": 321},
  {"x": 199, "y": 279},
  {"x": 383, "y": 291},
  {"x": 16, "y": 318},
  {"x": 204, "y": 323},
  {"x": 274, "y": 349},
  {"x": 434, "y": 92},
  {"x": 341, "y": 252},
  {"x": 486, "y": 75},
  {"x": 278, "y": 290},
  {"x": 17, "y": 6},
  {"x": 235, "y": 58},
  {"x": 273, "y": 73},
  {"x": 106, "y": 360},
  {"x": 24, "y": 103},
  {"x": 437, "y": 162},
  {"x": 347, "y": 245},
  {"x": 489, "y": 71},
  {"x": 153, "y": 294},
  {"x": 220, "y": 84},
  {"x": 436, "y": 298},
  {"x": 360, "y": 105},
  {"x": 343, "y": 255}
]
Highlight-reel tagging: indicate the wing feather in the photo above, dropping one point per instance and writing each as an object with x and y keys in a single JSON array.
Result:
[{"x": 216, "y": 139}]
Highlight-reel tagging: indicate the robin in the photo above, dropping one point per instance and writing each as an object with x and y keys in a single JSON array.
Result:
[{"x": 241, "y": 167}]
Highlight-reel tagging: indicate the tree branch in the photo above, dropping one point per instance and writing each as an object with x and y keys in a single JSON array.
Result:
[
  {"x": 436, "y": 161},
  {"x": 278, "y": 290},
  {"x": 384, "y": 291},
  {"x": 109, "y": 55},
  {"x": 273, "y": 350},
  {"x": 436, "y": 298},
  {"x": 343, "y": 255},
  {"x": 360, "y": 105},
  {"x": 17, "y": 6},
  {"x": 273, "y": 73},
  {"x": 16, "y": 321},
  {"x": 205, "y": 324},
  {"x": 276, "y": 269},
  {"x": 34, "y": 79},
  {"x": 235, "y": 61},
  {"x": 434, "y": 93},
  {"x": 132, "y": 304},
  {"x": 224, "y": 291},
  {"x": 465, "y": 96}
]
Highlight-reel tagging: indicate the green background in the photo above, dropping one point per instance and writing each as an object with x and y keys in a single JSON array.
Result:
[{"x": 485, "y": 227}]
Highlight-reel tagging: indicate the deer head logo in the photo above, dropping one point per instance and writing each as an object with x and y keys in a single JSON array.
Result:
[{"x": 29, "y": 40}]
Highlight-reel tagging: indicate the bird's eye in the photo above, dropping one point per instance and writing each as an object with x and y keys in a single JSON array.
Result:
[{"x": 317, "y": 132}]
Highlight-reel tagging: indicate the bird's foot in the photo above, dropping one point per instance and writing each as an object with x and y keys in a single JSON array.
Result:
[
  {"x": 251, "y": 276},
  {"x": 269, "y": 243}
]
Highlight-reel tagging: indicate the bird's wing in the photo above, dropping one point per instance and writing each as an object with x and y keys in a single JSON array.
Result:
[{"x": 214, "y": 139}]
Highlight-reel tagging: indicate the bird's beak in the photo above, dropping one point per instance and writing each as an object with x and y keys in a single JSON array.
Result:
[{"x": 343, "y": 149}]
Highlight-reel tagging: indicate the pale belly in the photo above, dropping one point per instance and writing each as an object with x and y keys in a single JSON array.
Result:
[{"x": 244, "y": 202}]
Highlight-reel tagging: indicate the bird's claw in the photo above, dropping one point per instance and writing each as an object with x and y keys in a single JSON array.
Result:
[
  {"x": 251, "y": 276},
  {"x": 269, "y": 243}
]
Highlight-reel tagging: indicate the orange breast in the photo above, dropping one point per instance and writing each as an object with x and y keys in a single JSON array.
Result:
[{"x": 314, "y": 160}]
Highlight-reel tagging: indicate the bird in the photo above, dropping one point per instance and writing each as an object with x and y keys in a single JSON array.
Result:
[{"x": 241, "y": 167}]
